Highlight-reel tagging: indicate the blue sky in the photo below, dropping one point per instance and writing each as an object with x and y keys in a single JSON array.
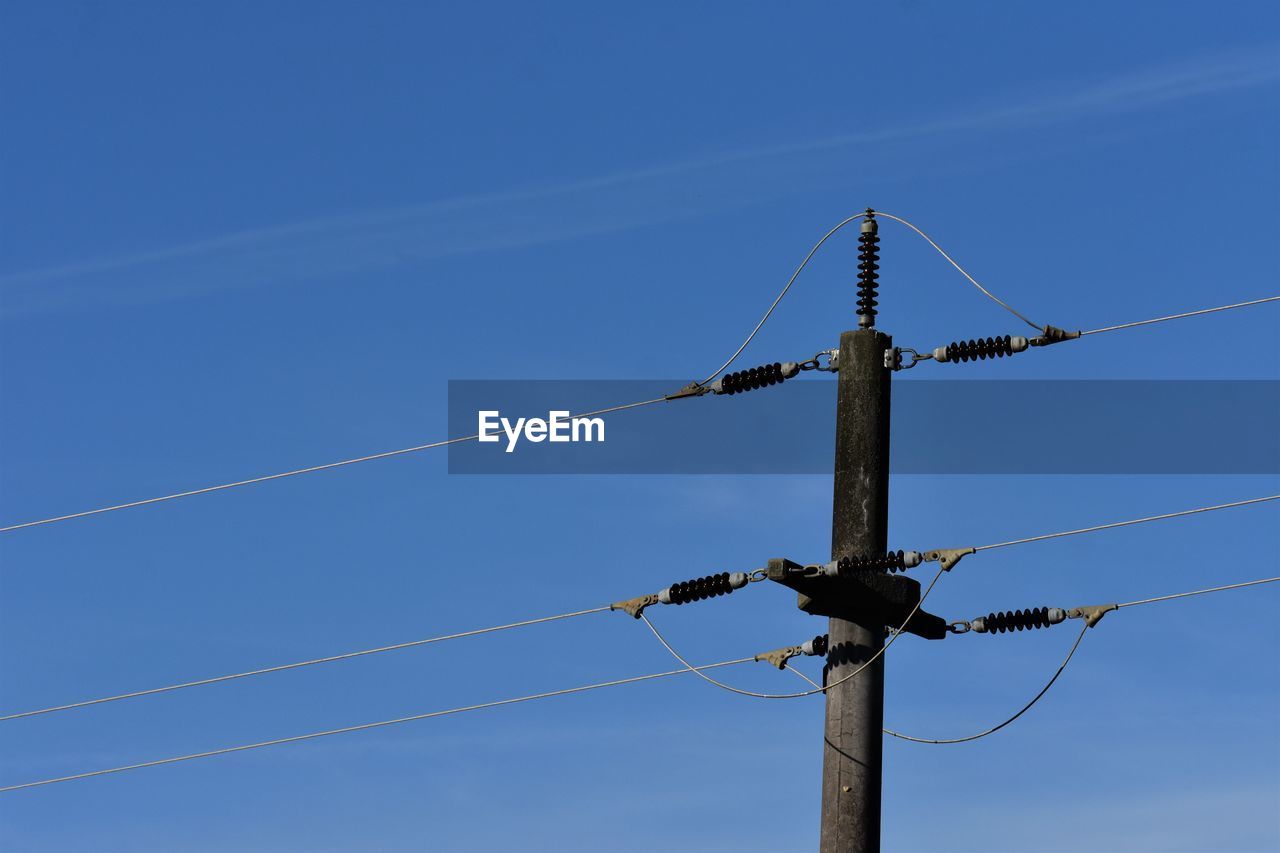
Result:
[{"x": 241, "y": 239}]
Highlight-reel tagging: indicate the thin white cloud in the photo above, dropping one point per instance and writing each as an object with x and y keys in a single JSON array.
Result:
[{"x": 328, "y": 247}]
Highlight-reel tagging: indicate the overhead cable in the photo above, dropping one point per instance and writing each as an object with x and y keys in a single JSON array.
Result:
[
  {"x": 294, "y": 473},
  {"x": 366, "y": 726},
  {"x": 948, "y": 557},
  {"x": 1091, "y": 616},
  {"x": 1005, "y": 305},
  {"x": 1180, "y": 316},
  {"x": 282, "y": 667}
]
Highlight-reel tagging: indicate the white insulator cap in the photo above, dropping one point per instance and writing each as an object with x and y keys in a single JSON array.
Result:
[
  {"x": 789, "y": 369},
  {"x": 1017, "y": 343},
  {"x": 831, "y": 569},
  {"x": 940, "y": 354},
  {"x": 1056, "y": 615},
  {"x": 665, "y": 596},
  {"x": 737, "y": 580},
  {"x": 911, "y": 559},
  {"x": 979, "y": 625}
]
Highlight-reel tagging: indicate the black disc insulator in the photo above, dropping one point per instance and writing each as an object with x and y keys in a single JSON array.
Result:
[
  {"x": 750, "y": 380},
  {"x": 980, "y": 348},
  {"x": 1017, "y": 620},
  {"x": 868, "y": 274},
  {"x": 700, "y": 588},
  {"x": 894, "y": 561}
]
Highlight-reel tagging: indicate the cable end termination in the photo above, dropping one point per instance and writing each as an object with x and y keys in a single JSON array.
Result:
[
  {"x": 948, "y": 557},
  {"x": 684, "y": 592},
  {"x": 1053, "y": 335},
  {"x": 1091, "y": 614},
  {"x": 779, "y": 657}
]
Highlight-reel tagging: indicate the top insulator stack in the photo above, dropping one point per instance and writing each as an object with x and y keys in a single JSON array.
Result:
[{"x": 868, "y": 270}]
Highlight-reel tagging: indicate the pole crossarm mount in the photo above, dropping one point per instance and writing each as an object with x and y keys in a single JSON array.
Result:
[{"x": 869, "y": 594}]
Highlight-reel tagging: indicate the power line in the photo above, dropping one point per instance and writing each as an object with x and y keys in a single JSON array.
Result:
[
  {"x": 978, "y": 349},
  {"x": 381, "y": 723},
  {"x": 299, "y": 664},
  {"x": 1083, "y": 628},
  {"x": 1196, "y": 592},
  {"x": 671, "y": 649},
  {"x": 768, "y": 313},
  {"x": 283, "y": 474},
  {"x": 781, "y": 294},
  {"x": 1180, "y": 316},
  {"x": 1062, "y": 666},
  {"x": 962, "y": 271},
  {"x": 1115, "y": 524},
  {"x": 1021, "y": 711},
  {"x": 420, "y": 447}
]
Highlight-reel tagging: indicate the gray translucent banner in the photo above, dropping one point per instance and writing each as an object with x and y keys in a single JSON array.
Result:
[{"x": 939, "y": 427}]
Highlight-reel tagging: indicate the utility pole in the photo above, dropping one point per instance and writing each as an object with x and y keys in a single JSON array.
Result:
[
  {"x": 858, "y": 591},
  {"x": 853, "y": 745}
]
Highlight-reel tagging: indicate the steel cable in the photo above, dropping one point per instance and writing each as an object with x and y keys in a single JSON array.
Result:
[
  {"x": 299, "y": 664},
  {"x": 366, "y": 726}
]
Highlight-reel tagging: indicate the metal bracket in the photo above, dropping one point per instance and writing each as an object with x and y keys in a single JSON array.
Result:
[
  {"x": 815, "y": 363},
  {"x": 893, "y": 358},
  {"x": 635, "y": 606},
  {"x": 779, "y": 657},
  {"x": 1091, "y": 614},
  {"x": 947, "y": 556},
  {"x": 865, "y": 597},
  {"x": 787, "y": 573}
]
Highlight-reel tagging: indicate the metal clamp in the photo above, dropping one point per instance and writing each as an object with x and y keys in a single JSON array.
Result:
[
  {"x": 948, "y": 557},
  {"x": 779, "y": 657},
  {"x": 693, "y": 389},
  {"x": 635, "y": 606},
  {"x": 815, "y": 363},
  {"x": 959, "y": 627},
  {"x": 893, "y": 358},
  {"x": 1091, "y": 614},
  {"x": 1053, "y": 335}
]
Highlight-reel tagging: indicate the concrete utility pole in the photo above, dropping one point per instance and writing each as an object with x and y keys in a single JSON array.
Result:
[{"x": 853, "y": 744}]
